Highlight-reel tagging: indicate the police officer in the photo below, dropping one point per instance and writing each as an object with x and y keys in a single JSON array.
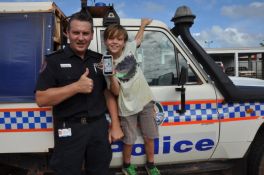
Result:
[{"x": 71, "y": 83}]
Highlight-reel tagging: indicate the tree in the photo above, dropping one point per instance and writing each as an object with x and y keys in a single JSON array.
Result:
[{"x": 261, "y": 44}]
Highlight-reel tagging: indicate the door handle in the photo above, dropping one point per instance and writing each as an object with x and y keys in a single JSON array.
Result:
[{"x": 182, "y": 109}]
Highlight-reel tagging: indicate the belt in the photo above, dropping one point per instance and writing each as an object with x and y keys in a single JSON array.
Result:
[{"x": 82, "y": 119}]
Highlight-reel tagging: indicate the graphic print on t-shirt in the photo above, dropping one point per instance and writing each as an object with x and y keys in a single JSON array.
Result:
[{"x": 127, "y": 68}]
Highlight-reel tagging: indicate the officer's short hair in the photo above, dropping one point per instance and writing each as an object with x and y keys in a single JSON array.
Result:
[
  {"x": 115, "y": 30},
  {"x": 80, "y": 17}
]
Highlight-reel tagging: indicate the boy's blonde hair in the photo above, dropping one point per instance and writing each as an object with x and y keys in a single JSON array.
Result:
[{"x": 115, "y": 31}]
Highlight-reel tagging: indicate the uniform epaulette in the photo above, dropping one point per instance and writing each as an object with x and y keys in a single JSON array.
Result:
[
  {"x": 54, "y": 53},
  {"x": 94, "y": 54}
]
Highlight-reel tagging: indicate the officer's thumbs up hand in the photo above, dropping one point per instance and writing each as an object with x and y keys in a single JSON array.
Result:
[
  {"x": 86, "y": 73},
  {"x": 85, "y": 84}
]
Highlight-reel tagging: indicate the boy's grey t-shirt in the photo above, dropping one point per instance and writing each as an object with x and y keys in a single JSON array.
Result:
[{"x": 134, "y": 92}]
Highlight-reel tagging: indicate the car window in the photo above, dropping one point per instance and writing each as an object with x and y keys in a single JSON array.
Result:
[{"x": 159, "y": 60}]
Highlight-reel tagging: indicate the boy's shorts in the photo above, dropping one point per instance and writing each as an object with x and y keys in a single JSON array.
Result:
[{"x": 146, "y": 122}]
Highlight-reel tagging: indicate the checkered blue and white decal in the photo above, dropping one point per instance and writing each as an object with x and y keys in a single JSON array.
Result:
[
  {"x": 25, "y": 119},
  {"x": 40, "y": 119}
]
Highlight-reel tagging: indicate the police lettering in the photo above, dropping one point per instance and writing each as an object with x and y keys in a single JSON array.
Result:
[{"x": 181, "y": 146}]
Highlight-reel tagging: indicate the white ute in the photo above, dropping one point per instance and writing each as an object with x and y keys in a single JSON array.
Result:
[{"x": 203, "y": 117}]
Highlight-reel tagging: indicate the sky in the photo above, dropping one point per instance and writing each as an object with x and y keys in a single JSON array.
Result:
[{"x": 218, "y": 23}]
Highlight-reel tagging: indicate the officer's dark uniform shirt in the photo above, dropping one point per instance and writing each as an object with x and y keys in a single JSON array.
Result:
[{"x": 65, "y": 67}]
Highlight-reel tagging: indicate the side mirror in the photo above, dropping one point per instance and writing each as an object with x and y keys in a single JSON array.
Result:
[{"x": 183, "y": 76}]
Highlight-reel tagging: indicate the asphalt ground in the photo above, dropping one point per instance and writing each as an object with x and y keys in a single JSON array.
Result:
[{"x": 6, "y": 170}]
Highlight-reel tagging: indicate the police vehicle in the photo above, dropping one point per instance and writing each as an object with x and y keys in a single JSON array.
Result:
[{"x": 206, "y": 121}]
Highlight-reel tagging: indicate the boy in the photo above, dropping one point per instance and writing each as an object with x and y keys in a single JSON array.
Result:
[{"x": 134, "y": 95}]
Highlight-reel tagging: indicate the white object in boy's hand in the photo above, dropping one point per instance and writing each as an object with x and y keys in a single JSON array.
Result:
[{"x": 108, "y": 65}]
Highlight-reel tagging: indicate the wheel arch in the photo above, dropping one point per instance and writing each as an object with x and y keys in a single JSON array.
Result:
[{"x": 255, "y": 154}]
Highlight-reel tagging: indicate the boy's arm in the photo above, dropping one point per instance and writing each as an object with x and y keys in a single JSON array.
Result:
[
  {"x": 114, "y": 86},
  {"x": 115, "y": 129},
  {"x": 140, "y": 33}
]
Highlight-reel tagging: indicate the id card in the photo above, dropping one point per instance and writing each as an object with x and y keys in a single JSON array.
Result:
[{"x": 65, "y": 132}]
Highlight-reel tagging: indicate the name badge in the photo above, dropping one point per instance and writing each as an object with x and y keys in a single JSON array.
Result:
[
  {"x": 66, "y": 132},
  {"x": 65, "y": 65}
]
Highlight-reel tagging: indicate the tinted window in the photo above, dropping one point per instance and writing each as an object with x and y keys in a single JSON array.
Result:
[{"x": 22, "y": 48}]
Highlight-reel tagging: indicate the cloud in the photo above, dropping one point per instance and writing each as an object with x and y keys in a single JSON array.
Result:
[
  {"x": 152, "y": 7},
  {"x": 227, "y": 37},
  {"x": 135, "y": 10},
  {"x": 120, "y": 9},
  {"x": 253, "y": 10},
  {"x": 208, "y": 4}
]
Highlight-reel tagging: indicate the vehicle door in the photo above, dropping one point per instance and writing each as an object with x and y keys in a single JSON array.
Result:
[{"x": 190, "y": 134}]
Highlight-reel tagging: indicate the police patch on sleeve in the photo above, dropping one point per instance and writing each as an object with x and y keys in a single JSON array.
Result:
[{"x": 43, "y": 66}]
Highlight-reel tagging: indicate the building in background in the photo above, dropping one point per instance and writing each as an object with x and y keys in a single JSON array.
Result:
[{"x": 243, "y": 62}]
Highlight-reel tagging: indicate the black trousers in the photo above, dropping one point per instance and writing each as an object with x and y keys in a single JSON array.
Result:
[{"x": 88, "y": 144}]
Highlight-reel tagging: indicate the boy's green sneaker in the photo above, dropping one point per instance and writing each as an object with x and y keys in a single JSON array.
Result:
[
  {"x": 152, "y": 171},
  {"x": 131, "y": 170}
]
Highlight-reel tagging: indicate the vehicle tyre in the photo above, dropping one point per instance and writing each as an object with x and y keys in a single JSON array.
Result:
[{"x": 255, "y": 161}]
